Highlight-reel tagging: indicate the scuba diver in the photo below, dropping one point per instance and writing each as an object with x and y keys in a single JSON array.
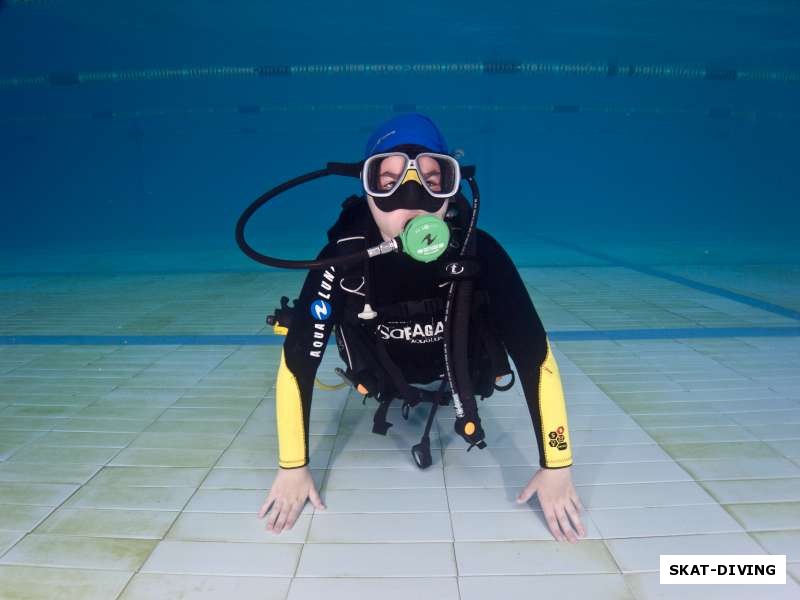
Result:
[{"x": 425, "y": 307}]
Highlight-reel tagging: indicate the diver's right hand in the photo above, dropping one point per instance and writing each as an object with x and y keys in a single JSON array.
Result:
[{"x": 288, "y": 496}]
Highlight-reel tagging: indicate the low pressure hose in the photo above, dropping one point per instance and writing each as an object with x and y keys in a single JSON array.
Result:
[
  {"x": 414, "y": 240},
  {"x": 459, "y": 302},
  {"x": 279, "y": 262}
]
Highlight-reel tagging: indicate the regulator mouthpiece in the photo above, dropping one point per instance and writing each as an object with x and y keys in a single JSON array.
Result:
[{"x": 425, "y": 238}]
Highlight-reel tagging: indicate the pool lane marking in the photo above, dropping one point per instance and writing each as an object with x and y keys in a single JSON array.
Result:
[
  {"x": 709, "y": 289},
  {"x": 269, "y": 339}
]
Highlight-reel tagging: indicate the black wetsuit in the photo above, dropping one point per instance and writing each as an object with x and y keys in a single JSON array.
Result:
[{"x": 416, "y": 345}]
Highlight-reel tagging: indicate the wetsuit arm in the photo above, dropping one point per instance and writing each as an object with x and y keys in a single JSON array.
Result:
[
  {"x": 317, "y": 310},
  {"x": 523, "y": 334}
]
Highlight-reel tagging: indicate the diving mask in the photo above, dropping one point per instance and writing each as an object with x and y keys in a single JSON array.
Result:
[{"x": 396, "y": 180}]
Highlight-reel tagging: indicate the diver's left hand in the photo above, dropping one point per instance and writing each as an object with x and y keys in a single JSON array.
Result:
[{"x": 558, "y": 499}]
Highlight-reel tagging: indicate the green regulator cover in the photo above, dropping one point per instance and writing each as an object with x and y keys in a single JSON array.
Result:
[{"x": 425, "y": 238}]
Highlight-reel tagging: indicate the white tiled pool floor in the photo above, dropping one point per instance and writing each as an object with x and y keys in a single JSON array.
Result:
[{"x": 136, "y": 471}]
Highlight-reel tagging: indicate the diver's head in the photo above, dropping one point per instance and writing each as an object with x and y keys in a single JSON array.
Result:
[{"x": 407, "y": 172}]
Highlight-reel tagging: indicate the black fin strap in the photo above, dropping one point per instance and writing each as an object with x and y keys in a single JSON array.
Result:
[
  {"x": 435, "y": 405},
  {"x": 379, "y": 423},
  {"x": 481, "y": 445}
]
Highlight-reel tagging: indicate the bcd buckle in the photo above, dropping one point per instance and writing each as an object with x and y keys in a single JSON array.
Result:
[{"x": 405, "y": 409}]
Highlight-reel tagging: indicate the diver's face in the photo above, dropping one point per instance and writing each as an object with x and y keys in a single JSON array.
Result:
[{"x": 391, "y": 224}]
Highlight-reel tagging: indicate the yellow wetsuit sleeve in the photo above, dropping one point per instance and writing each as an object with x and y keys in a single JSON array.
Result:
[
  {"x": 556, "y": 445},
  {"x": 313, "y": 318},
  {"x": 521, "y": 330},
  {"x": 292, "y": 441}
]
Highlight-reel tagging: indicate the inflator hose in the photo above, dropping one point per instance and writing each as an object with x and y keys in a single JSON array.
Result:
[
  {"x": 456, "y": 334},
  {"x": 332, "y": 168},
  {"x": 462, "y": 310},
  {"x": 348, "y": 169}
]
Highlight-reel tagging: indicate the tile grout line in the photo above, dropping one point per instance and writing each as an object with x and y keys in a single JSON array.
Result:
[
  {"x": 80, "y": 487},
  {"x": 603, "y": 539},
  {"x": 271, "y": 270},
  {"x": 239, "y": 340},
  {"x": 211, "y": 468},
  {"x": 322, "y": 485},
  {"x": 685, "y": 281},
  {"x": 678, "y": 462},
  {"x": 41, "y": 433},
  {"x": 449, "y": 507}
]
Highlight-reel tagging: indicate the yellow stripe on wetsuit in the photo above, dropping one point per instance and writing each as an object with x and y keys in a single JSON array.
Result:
[
  {"x": 289, "y": 415},
  {"x": 553, "y": 412}
]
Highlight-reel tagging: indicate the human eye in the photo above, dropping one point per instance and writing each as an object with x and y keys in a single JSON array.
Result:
[
  {"x": 387, "y": 182},
  {"x": 434, "y": 181}
]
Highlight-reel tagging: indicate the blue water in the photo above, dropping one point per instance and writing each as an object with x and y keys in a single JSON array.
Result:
[{"x": 129, "y": 170}]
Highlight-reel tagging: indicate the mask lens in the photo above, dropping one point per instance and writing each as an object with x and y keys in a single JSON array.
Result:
[
  {"x": 439, "y": 174},
  {"x": 383, "y": 173}
]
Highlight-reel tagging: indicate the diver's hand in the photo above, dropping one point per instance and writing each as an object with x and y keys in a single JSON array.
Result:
[
  {"x": 558, "y": 499},
  {"x": 288, "y": 496}
]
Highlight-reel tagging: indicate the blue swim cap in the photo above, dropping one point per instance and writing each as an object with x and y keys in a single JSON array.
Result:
[{"x": 407, "y": 128}]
